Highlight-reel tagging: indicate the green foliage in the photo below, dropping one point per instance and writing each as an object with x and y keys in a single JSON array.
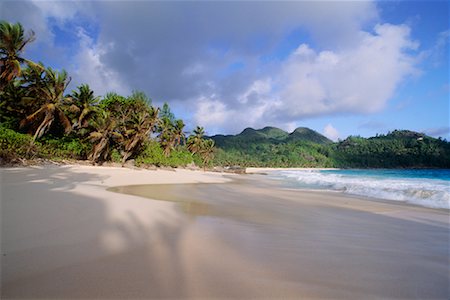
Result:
[
  {"x": 116, "y": 127},
  {"x": 306, "y": 134},
  {"x": 12, "y": 44},
  {"x": 47, "y": 93},
  {"x": 166, "y": 113},
  {"x": 64, "y": 148},
  {"x": 296, "y": 154},
  {"x": 14, "y": 144},
  {"x": 399, "y": 149},
  {"x": 115, "y": 156},
  {"x": 153, "y": 154},
  {"x": 81, "y": 107},
  {"x": 273, "y": 147},
  {"x": 268, "y": 136},
  {"x": 119, "y": 128}
]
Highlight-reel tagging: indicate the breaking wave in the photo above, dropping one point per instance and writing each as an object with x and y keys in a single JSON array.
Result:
[{"x": 430, "y": 188}]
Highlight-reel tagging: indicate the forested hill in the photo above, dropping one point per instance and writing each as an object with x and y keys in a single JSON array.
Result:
[
  {"x": 273, "y": 147},
  {"x": 268, "y": 135},
  {"x": 397, "y": 149}
]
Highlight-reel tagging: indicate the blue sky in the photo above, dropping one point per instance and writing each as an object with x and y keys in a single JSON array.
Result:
[{"x": 340, "y": 68}]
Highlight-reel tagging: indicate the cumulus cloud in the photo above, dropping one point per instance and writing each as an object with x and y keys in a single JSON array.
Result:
[
  {"x": 358, "y": 80},
  {"x": 87, "y": 67},
  {"x": 186, "y": 53},
  {"x": 312, "y": 83},
  {"x": 330, "y": 132}
]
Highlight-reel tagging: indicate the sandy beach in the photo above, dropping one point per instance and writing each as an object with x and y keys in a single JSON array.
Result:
[{"x": 83, "y": 232}]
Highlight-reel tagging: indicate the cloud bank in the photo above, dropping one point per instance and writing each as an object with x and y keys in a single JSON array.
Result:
[{"x": 229, "y": 65}]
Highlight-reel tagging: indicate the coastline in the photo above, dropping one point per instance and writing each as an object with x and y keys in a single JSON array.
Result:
[
  {"x": 253, "y": 170},
  {"x": 240, "y": 239}
]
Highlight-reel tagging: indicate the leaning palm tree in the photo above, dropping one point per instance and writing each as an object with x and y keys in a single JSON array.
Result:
[
  {"x": 179, "y": 136},
  {"x": 12, "y": 43},
  {"x": 195, "y": 141},
  {"x": 166, "y": 135},
  {"x": 49, "y": 92},
  {"x": 207, "y": 152},
  {"x": 103, "y": 137},
  {"x": 137, "y": 130},
  {"x": 83, "y": 105}
]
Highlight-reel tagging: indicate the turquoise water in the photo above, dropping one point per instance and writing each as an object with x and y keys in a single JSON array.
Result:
[{"x": 426, "y": 187}]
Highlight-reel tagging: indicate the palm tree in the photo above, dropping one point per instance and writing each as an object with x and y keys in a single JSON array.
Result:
[
  {"x": 137, "y": 130},
  {"x": 166, "y": 135},
  {"x": 103, "y": 137},
  {"x": 84, "y": 105},
  {"x": 207, "y": 152},
  {"x": 179, "y": 135},
  {"x": 12, "y": 43},
  {"x": 195, "y": 141},
  {"x": 49, "y": 93}
]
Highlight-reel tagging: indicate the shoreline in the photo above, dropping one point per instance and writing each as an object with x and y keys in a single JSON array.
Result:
[{"x": 240, "y": 239}]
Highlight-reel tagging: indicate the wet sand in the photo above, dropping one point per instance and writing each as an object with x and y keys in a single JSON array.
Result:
[
  {"x": 248, "y": 238},
  {"x": 301, "y": 244}
]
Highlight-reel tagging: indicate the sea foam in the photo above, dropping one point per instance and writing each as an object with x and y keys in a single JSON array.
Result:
[{"x": 401, "y": 185}]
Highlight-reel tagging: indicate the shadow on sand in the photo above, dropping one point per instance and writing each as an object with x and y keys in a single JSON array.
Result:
[{"x": 73, "y": 246}]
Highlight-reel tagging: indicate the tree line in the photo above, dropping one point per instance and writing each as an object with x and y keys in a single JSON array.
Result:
[
  {"x": 38, "y": 118},
  {"x": 397, "y": 149}
]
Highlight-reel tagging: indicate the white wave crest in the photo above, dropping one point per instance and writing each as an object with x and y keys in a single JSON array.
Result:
[{"x": 424, "y": 192}]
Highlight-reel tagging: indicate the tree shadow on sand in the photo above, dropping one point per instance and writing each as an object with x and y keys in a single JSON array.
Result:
[
  {"x": 79, "y": 250},
  {"x": 91, "y": 247}
]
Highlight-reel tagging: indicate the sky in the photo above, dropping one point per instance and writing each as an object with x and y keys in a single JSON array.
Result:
[{"x": 339, "y": 67}]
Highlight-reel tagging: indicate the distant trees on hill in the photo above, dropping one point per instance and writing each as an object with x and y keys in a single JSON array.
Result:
[{"x": 397, "y": 149}]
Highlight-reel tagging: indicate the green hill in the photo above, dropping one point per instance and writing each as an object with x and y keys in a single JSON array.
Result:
[
  {"x": 273, "y": 147},
  {"x": 274, "y": 133},
  {"x": 268, "y": 135},
  {"x": 397, "y": 149},
  {"x": 306, "y": 134}
]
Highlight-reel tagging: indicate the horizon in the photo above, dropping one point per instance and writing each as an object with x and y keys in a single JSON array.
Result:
[{"x": 340, "y": 68}]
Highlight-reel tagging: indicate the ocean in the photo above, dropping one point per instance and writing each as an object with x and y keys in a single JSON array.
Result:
[{"x": 424, "y": 187}]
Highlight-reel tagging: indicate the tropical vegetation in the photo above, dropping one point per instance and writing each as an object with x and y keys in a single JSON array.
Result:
[
  {"x": 39, "y": 118},
  {"x": 272, "y": 147}
]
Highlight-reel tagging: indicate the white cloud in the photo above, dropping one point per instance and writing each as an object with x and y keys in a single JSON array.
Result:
[
  {"x": 87, "y": 67},
  {"x": 211, "y": 112},
  {"x": 358, "y": 80},
  {"x": 313, "y": 83},
  {"x": 165, "y": 49},
  {"x": 330, "y": 132}
]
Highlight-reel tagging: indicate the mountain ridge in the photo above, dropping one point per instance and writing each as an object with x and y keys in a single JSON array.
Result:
[{"x": 270, "y": 134}]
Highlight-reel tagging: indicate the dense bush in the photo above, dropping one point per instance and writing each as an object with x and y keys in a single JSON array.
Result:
[
  {"x": 153, "y": 155},
  {"x": 64, "y": 148},
  {"x": 14, "y": 145}
]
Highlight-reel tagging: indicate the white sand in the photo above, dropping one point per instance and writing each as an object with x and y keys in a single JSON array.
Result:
[
  {"x": 58, "y": 221},
  {"x": 65, "y": 236}
]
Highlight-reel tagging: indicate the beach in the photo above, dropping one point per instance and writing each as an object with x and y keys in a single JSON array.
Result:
[{"x": 83, "y": 232}]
